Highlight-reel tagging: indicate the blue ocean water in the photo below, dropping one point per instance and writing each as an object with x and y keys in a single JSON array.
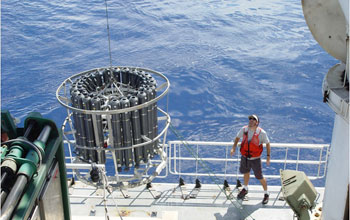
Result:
[{"x": 225, "y": 60}]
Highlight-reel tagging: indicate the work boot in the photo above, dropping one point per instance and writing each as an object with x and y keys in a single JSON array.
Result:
[
  {"x": 242, "y": 194},
  {"x": 266, "y": 199}
]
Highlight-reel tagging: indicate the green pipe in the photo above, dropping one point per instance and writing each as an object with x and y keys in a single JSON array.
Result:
[
  {"x": 27, "y": 168},
  {"x": 32, "y": 192},
  {"x": 15, "y": 151},
  {"x": 51, "y": 150},
  {"x": 9, "y": 167},
  {"x": 25, "y": 174},
  {"x": 3, "y": 151}
]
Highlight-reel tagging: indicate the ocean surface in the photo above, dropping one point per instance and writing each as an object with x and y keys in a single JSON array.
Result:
[{"x": 224, "y": 59}]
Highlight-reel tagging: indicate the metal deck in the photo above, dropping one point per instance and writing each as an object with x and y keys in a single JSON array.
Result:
[{"x": 211, "y": 203}]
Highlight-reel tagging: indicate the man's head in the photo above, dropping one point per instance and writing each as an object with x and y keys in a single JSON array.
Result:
[{"x": 253, "y": 120}]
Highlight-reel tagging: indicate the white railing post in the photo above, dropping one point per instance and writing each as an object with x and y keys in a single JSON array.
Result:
[
  {"x": 298, "y": 155},
  {"x": 319, "y": 166},
  {"x": 285, "y": 159}
]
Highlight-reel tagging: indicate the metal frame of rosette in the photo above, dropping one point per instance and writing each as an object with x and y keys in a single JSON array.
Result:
[{"x": 115, "y": 130}]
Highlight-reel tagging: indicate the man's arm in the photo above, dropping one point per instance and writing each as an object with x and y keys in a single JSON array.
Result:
[
  {"x": 268, "y": 149},
  {"x": 233, "y": 150}
]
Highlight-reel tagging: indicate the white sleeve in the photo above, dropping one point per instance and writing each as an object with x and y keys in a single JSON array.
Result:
[
  {"x": 264, "y": 137},
  {"x": 240, "y": 133}
]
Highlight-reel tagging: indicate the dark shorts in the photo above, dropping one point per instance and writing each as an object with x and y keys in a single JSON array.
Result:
[{"x": 247, "y": 165}]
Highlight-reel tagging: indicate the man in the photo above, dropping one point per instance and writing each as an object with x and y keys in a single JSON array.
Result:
[{"x": 251, "y": 150}]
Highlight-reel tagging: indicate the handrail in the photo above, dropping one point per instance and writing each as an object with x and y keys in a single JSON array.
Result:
[
  {"x": 214, "y": 143},
  {"x": 177, "y": 156},
  {"x": 289, "y": 156}
]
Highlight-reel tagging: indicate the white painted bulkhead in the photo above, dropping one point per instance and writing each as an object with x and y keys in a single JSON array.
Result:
[{"x": 338, "y": 172}]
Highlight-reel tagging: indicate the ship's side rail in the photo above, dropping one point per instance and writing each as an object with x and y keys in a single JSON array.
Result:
[{"x": 198, "y": 158}]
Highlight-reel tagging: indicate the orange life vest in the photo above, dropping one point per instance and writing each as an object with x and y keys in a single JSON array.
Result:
[{"x": 251, "y": 148}]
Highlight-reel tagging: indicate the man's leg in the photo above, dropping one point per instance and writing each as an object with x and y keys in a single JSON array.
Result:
[
  {"x": 256, "y": 166},
  {"x": 246, "y": 177},
  {"x": 266, "y": 194},
  {"x": 245, "y": 169},
  {"x": 258, "y": 174},
  {"x": 244, "y": 191},
  {"x": 263, "y": 183}
]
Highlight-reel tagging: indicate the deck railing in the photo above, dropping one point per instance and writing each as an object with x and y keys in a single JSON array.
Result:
[{"x": 198, "y": 158}]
